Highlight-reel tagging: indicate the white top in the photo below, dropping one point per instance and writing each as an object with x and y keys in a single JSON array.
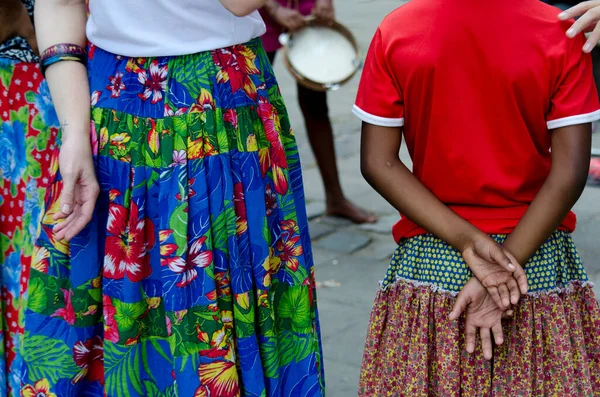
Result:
[{"x": 146, "y": 28}]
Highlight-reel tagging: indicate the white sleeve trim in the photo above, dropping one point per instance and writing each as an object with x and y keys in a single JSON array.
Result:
[
  {"x": 377, "y": 120},
  {"x": 574, "y": 120}
]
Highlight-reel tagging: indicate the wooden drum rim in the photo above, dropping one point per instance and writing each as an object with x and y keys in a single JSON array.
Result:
[{"x": 313, "y": 85}]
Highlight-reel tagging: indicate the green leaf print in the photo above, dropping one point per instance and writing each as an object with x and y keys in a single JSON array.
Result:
[
  {"x": 121, "y": 366},
  {"x": 295, "y": 306},
  {"x": 4, "y": 244},
  {"x": 30, "y": 96},
  {"x": 95, "y": 294},
  {"x": 37, "y": 296},
  {"x": 270, "y": 357},
  {"x": 178, "y": 223},
  {"x": 6, "y": 73},
  {"x": 48, "y": 358},
  {"x": 38, "y": 124},
  {"x": 293, "y": 347},
  {"x": 223, "y": 227},
  {"x": 244, "y": 319},
  {"x": 128, "y": 313}
]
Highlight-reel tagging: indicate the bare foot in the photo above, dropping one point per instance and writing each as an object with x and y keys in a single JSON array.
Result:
[{"x": 346, "y": 209}]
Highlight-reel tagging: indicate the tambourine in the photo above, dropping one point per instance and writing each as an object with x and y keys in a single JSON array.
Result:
[{"x": 321, "y": 57}]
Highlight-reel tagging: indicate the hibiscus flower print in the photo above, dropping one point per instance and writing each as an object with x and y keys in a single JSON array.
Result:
[
  {"x": 271, "y": 265},
  {"x": 111, "y": 330},
  {"x": 239, "y": 205},
  {"x": 116, "y": 85},
  {"x": 154, "y": 81},
  {"x": 290, "y": 249},
  {"x": 127, "y": 244},
  {"x": 270, "y": 200},
  {"x": 41, "y": 388},
  {"x": 236, "y": 66},
  {"x": 187, "y": 268},
  {"x": 67, "y": 313},
  {"x": 220, "y": 378},
  {"x": 89, "y": 357}
]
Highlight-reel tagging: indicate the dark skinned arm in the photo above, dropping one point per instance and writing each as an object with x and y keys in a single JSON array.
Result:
[
  {"x": 571, "y": 148},
  {"x": 15, "y": 21},
  {"x": 385, "y": 172}
]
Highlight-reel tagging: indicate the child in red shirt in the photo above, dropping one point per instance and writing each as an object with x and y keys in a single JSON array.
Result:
[{"x": 495, "y": 105}]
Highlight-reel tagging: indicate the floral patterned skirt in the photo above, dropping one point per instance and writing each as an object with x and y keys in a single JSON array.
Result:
[
  {"x": 552, "y": 343},
  {"x": 28, "y": 129},
  {"x": 195, "y": 278}
]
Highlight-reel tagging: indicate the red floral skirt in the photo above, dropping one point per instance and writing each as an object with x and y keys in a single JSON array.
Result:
[{"x": 552, "y": 343}]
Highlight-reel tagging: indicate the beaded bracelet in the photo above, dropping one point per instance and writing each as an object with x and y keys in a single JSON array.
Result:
[{"x": 62, "y": 52}]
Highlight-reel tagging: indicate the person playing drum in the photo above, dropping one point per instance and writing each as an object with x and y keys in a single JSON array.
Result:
[{"x": 281, "y": 15}]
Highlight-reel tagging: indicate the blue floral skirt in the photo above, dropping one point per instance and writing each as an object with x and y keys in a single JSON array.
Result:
[{"x": 195, "y": 277}]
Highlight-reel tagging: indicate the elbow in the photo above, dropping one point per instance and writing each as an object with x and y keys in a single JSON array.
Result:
[
  {"x": 239, "y": 9},
  {"x": 368, "y": 169},
  {"x": 573, "y": 180}
]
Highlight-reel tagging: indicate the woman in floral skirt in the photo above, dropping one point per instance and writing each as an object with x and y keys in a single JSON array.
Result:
[
  {"x": 195, "y": 275},
  {"x": 28, "y": 127}
]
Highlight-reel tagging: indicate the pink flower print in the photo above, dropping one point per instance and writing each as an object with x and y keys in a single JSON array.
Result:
[
  {"x": 154, "y": 81},
  {"x": 116, "y": 85},
  {"x": 94, "y": 138}
]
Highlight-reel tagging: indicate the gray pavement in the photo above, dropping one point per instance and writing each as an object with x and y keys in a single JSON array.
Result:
[{"x": 350, "y": 260}]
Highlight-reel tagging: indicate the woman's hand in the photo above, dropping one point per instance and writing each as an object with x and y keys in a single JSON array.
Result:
[
  {"x": 589, "y": 11},
  {"x": 482, "y": 313},
  {"x": 15, "y": 22},
  {"x": 324, "y": 11},
  {"x": 497, "y": 269},
  {"x": 289, "y": 18},
  {"x": 80, "y": 187}
]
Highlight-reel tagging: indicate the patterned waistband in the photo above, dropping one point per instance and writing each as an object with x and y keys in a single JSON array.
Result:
[{"x": 427, "y": 260}]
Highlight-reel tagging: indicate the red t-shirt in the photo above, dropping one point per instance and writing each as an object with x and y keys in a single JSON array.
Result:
[{"x": 477, "y": 85}]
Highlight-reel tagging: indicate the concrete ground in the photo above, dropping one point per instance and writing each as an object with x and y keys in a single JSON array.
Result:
[{"x": 350, "y": 260}]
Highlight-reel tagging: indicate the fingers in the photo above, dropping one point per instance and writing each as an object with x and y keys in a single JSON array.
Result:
[
  {"x": 62, "y": 229},
  {"x": 504, "y": 296},
  {"x": 493, "y": 291},
  {"x": 589, "y": 16},
  {"x": 515, "y": 294},
  {"x": 86, "y": 212},
  {"x": 578, "y": 10},
  {"x": 67, "y": 195},
  {"x": 521, "y": 279},
  {"x": 593, "y": 39},
  {"x": 500, "y": 256},
  {"x": 519, "y": 274},
  {"x": 462, "y": 301},
  {"x": 470, "y": 338},
  {"x": 507, "y": 315},
  {"x": 498, "y": 334},
  {"x": 486, "y": 343}
]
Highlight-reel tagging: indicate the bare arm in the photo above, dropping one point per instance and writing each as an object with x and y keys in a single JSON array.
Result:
[
  {"x": 385, "y": 172},
  {"x": 63, "y": 21},
  {"x": 571, "y": 147},
  {"x": 242, "y": 8},
  {"x": 383, "y": 169}
]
